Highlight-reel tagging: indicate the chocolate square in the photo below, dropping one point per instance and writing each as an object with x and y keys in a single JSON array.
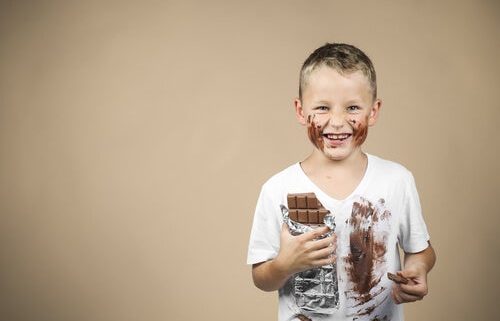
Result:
[
  {"x": 312, "y": 202},
  {"x": 313, "y": 216},
  {"x": 303, "y": 216},
  {"x": 301, "y": 201},
  {"x": 292, "y": 202},
  {"x": 322, "y": 214}
]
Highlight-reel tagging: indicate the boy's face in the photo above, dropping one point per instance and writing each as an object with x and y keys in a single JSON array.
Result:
[{"x": 337, "y": 110}]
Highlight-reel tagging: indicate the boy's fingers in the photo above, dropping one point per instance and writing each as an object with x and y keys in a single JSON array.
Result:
[
  {"x": 395, "y": 296},
  {"x": 316, "y": 233},
  {"x": 418, "y": 290},
  {"x": 326, "y": 261},
  {"x": 285, "y": 229},
  {"x": 408, "y": 297},
  {"x": 416, "y": 286},
  {"x": 406, "y": 274},
  {"x": 401, "y": 296},
  {"x": 330, "y": 241},
  {"x": 323, "y": 253},
  {"x": 409, "y": 273}
]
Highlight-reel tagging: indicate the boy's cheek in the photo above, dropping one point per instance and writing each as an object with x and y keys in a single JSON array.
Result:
[
  {"x": 360, "y": 130},
  {"x": 320, "y": 119},
  {"x": 314, "y": 130},
  {"x": 317, "y": 120}
]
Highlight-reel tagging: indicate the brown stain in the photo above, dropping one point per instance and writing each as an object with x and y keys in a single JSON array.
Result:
[
  {"x": 384, "y": 318},
  {"x": 302, "y": 317},
  {"x": 362, "y": 300},
  {"x": 359, "y": 131},
  {"x": 385, "y": 215},
  {"x": 365, "y": 251},
  {"x": 361, "y": 257},
  {"x": 370, "y": 309},
  {"x": 314, "y": 132}
]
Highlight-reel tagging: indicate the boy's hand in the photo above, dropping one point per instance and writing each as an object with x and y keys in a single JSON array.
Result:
[
  {"x": 305, "y": 251},
  {"x": 416, "y": 288}
]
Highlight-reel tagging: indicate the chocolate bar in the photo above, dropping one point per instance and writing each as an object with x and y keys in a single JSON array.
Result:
[
  {"x": 397, "y": 278},
  {"x": 305, "y": 208},
  {"x": 315, "y": 290}
]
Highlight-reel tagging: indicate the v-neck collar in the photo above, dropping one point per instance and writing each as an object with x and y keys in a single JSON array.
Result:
[{"x": 331, "y": 199}]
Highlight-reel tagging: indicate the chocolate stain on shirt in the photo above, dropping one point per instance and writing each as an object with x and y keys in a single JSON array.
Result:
[
  {"x": 302, "y": 317},
  {"x": 369, "y": 310},
  {"x": 376, "y": 318},
  {"x": 366, "y": 252}
]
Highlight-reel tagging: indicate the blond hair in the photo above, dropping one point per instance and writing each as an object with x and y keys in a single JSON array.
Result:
[{"x": 343, "y": 58}]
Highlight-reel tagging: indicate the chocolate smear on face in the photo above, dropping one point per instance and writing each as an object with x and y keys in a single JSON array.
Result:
[
  {"x": 314, "y": 132},
  {"x": 367, "y": 249},
  {"x": 359, "y": 131}
]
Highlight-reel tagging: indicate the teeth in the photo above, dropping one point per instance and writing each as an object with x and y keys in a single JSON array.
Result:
[{"x": 340, "y": 136}]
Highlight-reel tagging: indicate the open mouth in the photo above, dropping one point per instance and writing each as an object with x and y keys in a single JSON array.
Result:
[{"x": 337, "y": 137}]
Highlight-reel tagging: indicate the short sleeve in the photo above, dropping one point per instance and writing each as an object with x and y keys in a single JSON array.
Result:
[
  {"x": 413, "y": 236},
  {"x": 265, "y": 235}
]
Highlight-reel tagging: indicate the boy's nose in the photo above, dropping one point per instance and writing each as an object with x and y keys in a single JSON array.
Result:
[{"x": 336, "y": 120}]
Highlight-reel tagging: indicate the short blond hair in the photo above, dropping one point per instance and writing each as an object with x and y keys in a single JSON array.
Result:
[{"x": 342, "y": 57}]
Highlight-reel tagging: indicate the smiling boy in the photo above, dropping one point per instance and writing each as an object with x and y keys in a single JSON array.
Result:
[{"x": 374, "y": 202}]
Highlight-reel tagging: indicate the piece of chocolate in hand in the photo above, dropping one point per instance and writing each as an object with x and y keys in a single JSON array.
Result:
[
  {"x": 305, "y": 208},
  {"x": 397, "y": 278}
]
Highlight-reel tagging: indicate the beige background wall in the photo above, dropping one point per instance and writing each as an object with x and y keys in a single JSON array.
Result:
[{"x": 135, "y": 135}]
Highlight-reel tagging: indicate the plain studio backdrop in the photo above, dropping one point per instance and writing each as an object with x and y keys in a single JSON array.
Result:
[{"x": 135, "y": 137}]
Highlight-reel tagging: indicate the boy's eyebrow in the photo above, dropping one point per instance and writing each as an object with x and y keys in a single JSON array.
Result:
[
  {"x": 354, "y": 101},
  {"x": 321, "y": 102},
  {"x": 349, "y": 102}
]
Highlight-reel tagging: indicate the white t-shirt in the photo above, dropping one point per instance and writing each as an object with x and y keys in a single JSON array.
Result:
[{"x": 382, "y": 212}]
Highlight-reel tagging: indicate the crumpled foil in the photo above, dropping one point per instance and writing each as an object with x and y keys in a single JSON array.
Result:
[{"x": 315, "y": 290}]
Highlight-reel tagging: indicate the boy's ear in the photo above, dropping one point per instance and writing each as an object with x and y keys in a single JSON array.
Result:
[
  {"x": 372, "y": 119},
  {"x": 299, "y": 112}
]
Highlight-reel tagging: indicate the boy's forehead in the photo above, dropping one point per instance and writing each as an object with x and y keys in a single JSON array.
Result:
[
  {"x": 325, "y": 81},
  {"x": 334, "y": 75}
]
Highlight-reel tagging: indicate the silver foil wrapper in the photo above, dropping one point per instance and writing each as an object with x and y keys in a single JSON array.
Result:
[{"x": 315, "y": 290}]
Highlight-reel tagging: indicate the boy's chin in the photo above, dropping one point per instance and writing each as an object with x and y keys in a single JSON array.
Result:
[
  {"x": 336, "y": 158},
  {"x": 338, "y": 155}
]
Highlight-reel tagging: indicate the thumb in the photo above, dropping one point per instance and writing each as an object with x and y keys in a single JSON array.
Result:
[
  {"x": 406, "y": 273},
  {"x": 284, "y": 229},
  {"x": 409, "y": 273}
]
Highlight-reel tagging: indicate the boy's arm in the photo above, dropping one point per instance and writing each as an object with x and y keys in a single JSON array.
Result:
[
  {"x": 296, "y": 254},
  {"x": 416, "y": 268},
  {"x": 269, "y": 276}
]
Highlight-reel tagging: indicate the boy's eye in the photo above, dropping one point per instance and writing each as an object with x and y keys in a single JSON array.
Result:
[
  {"x": 321, "y": 108},
  {"x": 353, "y": 108}
]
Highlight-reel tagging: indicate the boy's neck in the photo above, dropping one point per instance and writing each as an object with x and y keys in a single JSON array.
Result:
[{"x": 317, "y": 163}]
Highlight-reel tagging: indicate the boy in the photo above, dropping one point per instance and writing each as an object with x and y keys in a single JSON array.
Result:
[{"x": 374, "y": 203}]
